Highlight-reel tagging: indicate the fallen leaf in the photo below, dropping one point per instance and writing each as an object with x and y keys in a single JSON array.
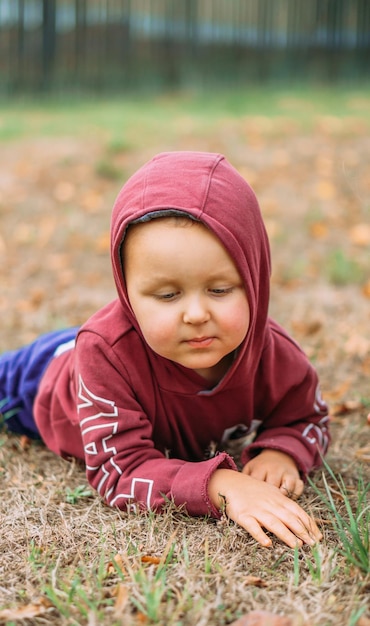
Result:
[
  {"x": 255, "y": 581},
  {"x": 24, "y": 306},
  {"x": 121, "y": 600},
  {"x": 360, "y": 235},
  {"x": 306, "y": 328},
  {"x": 363, "y": 621},
  {"x": 357, "y": 345},
  {"x": 338, "y": 392},
  {"x": 117, "y": 563},
  {"x": 57, "y": 261},
  {"x": 24, "y": 442},
  {"x": 102, "y": 244},
  {"x": 64, "y": 191},
  {"x": 153, "y": 560},
  {"x": 348, "y": 406},
  {"x": 37, "y": 296},
  {"x": 92, "y": 201},
  {"x": 26, "y": 612},
  {"x": 319, "y": 230},
  {"x": 366, "y": 289},
  {"x": 326, "y": 190}
]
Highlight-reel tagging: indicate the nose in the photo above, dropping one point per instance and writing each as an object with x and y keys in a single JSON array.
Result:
[{"x": 196, "y": 311}]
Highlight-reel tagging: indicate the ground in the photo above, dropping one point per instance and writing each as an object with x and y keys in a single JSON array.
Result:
[{"x": 313, "y": 185}]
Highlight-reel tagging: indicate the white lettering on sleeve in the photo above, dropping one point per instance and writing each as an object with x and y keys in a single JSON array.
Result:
[
  {"x": 131, "y": 496},
  {"x": 319, "y": 404},
  {"x": 317, "y": 434},
  {"x": 103, "y": 432}
]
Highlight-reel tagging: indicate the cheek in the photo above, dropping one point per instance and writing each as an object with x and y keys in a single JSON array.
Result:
[
  {"x": 236, "y": 321},
  {"x": 158, "y": 329}
]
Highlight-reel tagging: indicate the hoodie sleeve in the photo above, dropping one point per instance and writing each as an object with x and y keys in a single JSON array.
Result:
[
  {"x": 293, "y": 416},
  {"x": 122, "y": 464}
]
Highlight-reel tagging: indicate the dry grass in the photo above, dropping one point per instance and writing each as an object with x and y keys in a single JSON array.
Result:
[
  {"x": 66, "y": 558},
  {"x": 99, "y": 566}
]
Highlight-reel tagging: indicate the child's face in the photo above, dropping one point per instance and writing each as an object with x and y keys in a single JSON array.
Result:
[{"x": 186, "y": 293}]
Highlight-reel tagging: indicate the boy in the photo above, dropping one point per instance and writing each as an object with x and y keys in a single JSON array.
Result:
[{"x": 184, "y": 364}]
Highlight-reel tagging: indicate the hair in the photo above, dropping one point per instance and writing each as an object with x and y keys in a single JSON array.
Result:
[{"x": 181, "y": 217}]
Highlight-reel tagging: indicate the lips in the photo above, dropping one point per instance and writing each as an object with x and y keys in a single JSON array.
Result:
[{"x": 200, "y": 342}]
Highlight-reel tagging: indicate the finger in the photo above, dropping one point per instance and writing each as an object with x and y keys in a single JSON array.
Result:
[
  {"x": 258, "y": 472},
  {"x": 299, "y": 487},
  {"x": 251, "y": 525},
  {"x": 293, "y": 531},
  {"x": 307, "y": 531},
  {"x": 277, "y": 527},
  {"x": 275, "y": 479},
  {"x": 246, "y": 468},
  {"x": 301, "y": 524},
  {"x": 292, "y": 486}
]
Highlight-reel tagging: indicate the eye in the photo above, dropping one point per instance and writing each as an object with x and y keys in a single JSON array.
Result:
[
  {"x": 166, "y": 296},
  {"x": 221, "y": 291}
]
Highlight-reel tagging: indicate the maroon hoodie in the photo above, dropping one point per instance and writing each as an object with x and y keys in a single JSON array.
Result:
[{"x": 150, "y": 429}]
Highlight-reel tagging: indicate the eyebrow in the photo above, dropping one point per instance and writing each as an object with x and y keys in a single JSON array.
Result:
[{"x": 160, "y": 279}]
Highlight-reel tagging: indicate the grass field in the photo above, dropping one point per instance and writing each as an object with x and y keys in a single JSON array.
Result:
[{"x": 66, "y": 557}]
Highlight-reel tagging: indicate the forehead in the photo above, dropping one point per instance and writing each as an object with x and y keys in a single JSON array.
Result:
[
  {"x": 173, "y": 239},
  {"x": 155, "y": 232},
  {"x": 146, "y": 225}
]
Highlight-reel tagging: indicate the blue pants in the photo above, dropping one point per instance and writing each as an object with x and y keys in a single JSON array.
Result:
[{"x": 20, "y": 375}]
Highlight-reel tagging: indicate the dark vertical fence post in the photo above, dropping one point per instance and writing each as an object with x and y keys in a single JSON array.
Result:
[
  {"x": 125, "y": 39},
  {"x": 190, "y": 44},
  {"x": 19, "y": 81},
  {"x": 48, "y": 42},
  {"x": 169, "y": 43},
  {"x": 80, "y": 37}
]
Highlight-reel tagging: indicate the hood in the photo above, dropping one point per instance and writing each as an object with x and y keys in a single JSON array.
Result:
[{"x": 207, "y": 188}]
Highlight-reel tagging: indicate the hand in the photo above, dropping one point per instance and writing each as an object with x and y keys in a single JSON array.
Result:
[
  {"x": 254, "y": 505},
  {"x": 276, "y": 468}
]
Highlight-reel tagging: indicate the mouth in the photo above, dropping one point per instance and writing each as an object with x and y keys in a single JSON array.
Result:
[{"x": 200, "y": 342}]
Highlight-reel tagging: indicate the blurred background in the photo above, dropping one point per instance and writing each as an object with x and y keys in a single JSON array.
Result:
[
  {"x": 91, "y": 89},
  {"x": 105, "y": 45}
]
